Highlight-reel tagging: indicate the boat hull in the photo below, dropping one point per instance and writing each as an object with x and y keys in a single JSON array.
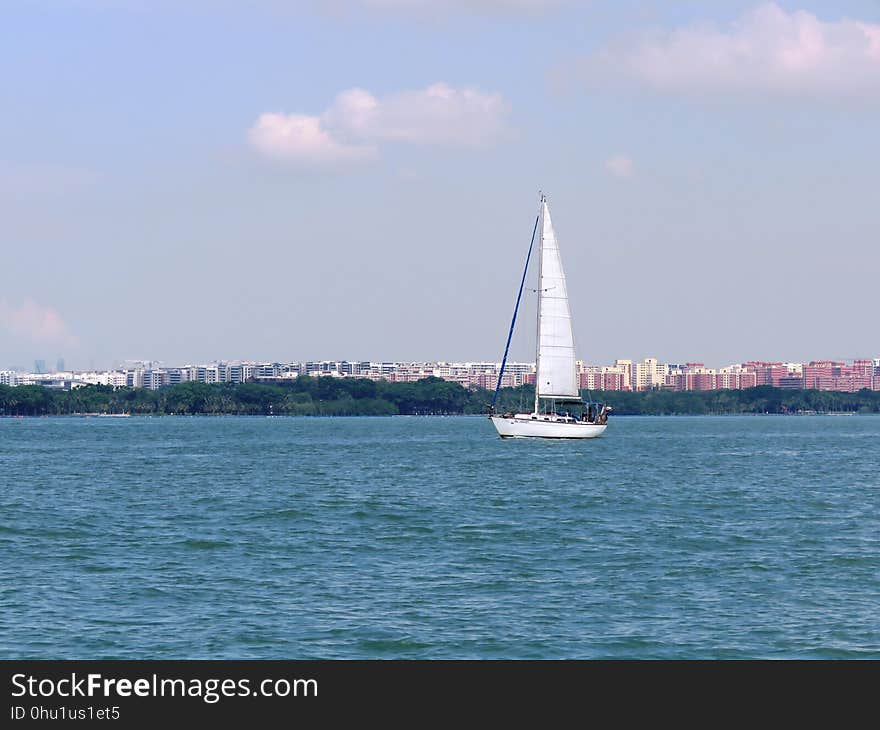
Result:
[{"x": 524, "y": 426}]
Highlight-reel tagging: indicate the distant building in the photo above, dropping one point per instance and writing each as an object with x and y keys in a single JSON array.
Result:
[
  {"x": 649, "y": 374},
  {"x": 155, "y": 379},
  {"x": 623, "y": 375},
  {"x": 833, "y": 375}
]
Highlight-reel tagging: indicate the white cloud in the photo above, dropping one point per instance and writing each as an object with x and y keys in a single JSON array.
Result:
[
  {"x": 439, "y": 114},
  {"x": 357, "y": 121},
  {"x": 620, "y": 166},
  {"x": 301, "y": 138},
  {"x": 35, "y": 322},
  {"x": 767, "y": 50}
]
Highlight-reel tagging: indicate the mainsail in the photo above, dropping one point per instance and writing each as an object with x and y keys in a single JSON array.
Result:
[{"x": 556, "y": 374}]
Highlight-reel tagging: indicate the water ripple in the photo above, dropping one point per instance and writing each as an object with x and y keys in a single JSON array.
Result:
[{"x": 430, "y": 538}]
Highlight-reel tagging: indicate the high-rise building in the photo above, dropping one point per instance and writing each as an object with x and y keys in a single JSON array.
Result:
[{"x": 648, "y": 374}]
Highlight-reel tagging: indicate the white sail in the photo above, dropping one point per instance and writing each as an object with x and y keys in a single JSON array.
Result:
[{"x": 556, "y": 372}]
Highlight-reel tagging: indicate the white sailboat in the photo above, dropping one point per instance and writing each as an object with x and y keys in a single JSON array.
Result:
[{"x": 556, "y": 380}]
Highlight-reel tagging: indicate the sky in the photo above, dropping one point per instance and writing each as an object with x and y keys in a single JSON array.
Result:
[{"x": 191, "y": 180}]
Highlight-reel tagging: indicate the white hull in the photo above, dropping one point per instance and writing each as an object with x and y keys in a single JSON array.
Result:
[{"x": 525, "y": 425}]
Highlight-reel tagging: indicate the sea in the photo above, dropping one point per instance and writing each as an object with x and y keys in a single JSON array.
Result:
[{"x": 429, "y": 537}]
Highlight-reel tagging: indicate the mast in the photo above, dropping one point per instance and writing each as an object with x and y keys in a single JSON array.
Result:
[
  {"x": 522, "y": 283},
  {"x": 538, "y": 311}
]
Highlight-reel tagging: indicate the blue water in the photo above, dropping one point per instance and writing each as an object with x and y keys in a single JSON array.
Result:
[{"x": 430, "y": 537}]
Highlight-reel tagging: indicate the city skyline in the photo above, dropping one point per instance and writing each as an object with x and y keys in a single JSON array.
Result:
[
  {"x": 622, "y": 375},
  {"x": 280, "y": 176}
]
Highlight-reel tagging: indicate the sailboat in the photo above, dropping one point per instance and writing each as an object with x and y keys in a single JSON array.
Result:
[{"x": 555, "y": 380}]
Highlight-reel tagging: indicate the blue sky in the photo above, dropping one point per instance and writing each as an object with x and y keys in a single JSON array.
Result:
[{"x": 194, "y": 180}]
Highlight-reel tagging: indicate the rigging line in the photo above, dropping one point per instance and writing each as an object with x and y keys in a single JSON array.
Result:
[{"x": 515, "y": 310}]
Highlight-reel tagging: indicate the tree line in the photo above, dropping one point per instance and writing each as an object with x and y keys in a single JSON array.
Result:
[
  {"x": 303, "y": 396},
  {"x": 327, "y": 396}
]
